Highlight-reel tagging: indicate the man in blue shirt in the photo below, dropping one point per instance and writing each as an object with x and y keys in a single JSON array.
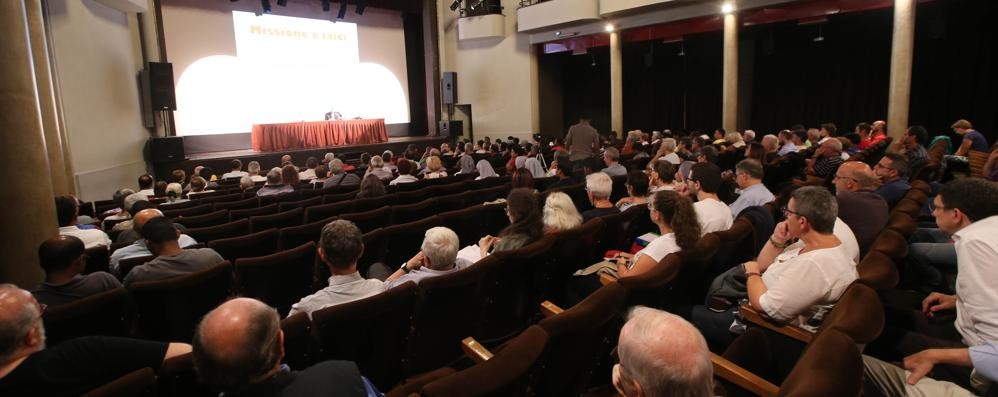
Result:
[
  {"x": 886, "y": 379},
  {"x": 748, "y": 176},
  {"x": 893, "y": 173}
]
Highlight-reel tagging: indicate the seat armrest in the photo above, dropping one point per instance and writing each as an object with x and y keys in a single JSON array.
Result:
[
  {"x": 549, "y": 309},
  {"x": 755, "y": 317},
  {"x": 731, "y": 372},
  {"x": 605, "y": 279},
  {"x": 475, "y": 351}
]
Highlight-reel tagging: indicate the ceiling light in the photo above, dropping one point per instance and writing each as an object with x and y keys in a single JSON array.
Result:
[
  {"x": 343, "y": 11},
  {"x": 609, "y": 27},
  {"x": 727, "y": 8}
]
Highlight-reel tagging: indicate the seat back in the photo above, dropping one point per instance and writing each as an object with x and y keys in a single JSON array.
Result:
[
  {"x": 505, "y": 374},
  {"x": 411, "y": 193},
  {"x": 373, "y": 203},
  {"x": 614, "y": 234},
  {"x": 168, "y": 310},
  {"x": 977, "y": 160},
  {"x": 467, "y": 223},
  {"x": 278, "y": 280},
  {"x": 406, "y": 239},
  {"x": 891, "y": 244},
  {"x": 278, "y": 220},
  {"x": 220, "y": 197},
  {"x": 831, "y": 366},
  {"x": 293, "y": 236},
  {"x": 210, "y": 219},
  {"x": 858, "y": 314},
  {"x": 126, "y": 265},
  {"x": 902, "y": 223},
  {"x": 487, "y": 194},
  {"x": 664, "y": 285},
  {"x": 107, "y": 314},
  {"x": 413, "y": 212},
  {"x": 98, "y": 259},
  {"x": 336, "y": 197},
  {"x": 200, "y": 209},
  {"x": 571, "y": 250},
  {"x": 878, "y": 271},
  {"x": 136, "y": 383},
  {"x": 370, "y": 220},
  {"x": 290, "y": 205},
  {"x": 371, "y": 332},
  {"x": 268, "y": 209},
  {"x": 251, "y": 202},
  {"x": 375, "y": 244},
  {"x": 225, "y": 230},
  {"x": 326, "y": 211},
  {"x": 298, "y": 344},
  {"x": 279, "y": 198},
  {"x": 248, "y": 246}
]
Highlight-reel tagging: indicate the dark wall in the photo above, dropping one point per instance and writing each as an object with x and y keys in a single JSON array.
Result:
[{"x": 585, "y": 88}]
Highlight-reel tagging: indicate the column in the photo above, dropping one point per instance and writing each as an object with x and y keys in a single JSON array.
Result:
[
  {"x": 729, "y": 97},
  {"x": 29, "y": 215},
  {"x": 62, "y": 182},
  {"x": 902, "y": 48},
  {"x": 616, "y": 84}
]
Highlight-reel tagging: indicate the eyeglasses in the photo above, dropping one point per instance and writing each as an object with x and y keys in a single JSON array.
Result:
[
  {"x": 837, "y": 177},
  {"x": 787, "y": 211}
]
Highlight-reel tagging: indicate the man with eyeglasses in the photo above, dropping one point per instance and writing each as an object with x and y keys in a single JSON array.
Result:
[
  {"x": 892, "y": 170},
  {"x": 859, "y": 207},
  {"x": 748, "y": 176},
  {"x": 74, "y": 367},
  {"x": 927, "y": 336}
]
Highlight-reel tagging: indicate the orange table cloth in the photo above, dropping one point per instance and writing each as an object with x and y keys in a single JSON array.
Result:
[{"x": 314, "y": 134}]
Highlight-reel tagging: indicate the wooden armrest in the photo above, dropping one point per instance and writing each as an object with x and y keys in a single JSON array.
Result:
[
  {"x": 753, "y": 316},
  {"x": 549, "y": 309},
  {"x": 605, "y": 279},
  {"x": 475, "y": 351},
  {"x": 731, "y": 372}
]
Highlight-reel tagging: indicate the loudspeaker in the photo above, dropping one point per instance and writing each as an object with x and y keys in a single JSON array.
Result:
[
  {"x": 166, "y": 149},
  {"x": 162, "y": 96},
  {"x": 448, "y": 85},
  {"x": 450, "y": 127}
]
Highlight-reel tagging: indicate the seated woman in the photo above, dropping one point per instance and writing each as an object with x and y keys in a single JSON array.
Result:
[
  {"x": 405, "y": 168},
  {"x": 637, "y": 190},
  {"x": 678, "y": 230},
  {"x": 485, "y": 170},
  {"x": 533, "y": 164},
  {"x": 434, "y": 168},
  {"x": 787, "y": 280},
  {"x": 525, "y": 224},
  {"x": 661, "y": 176},
  {"x": 523, "y": 178},
  {"x": 370, "y": 187},
  {"x": 560, "y": 213}
]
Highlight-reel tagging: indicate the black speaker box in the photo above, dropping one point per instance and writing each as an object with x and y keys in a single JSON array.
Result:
[
  {"x": 450, "y": 128},
  {"x": 161, "y": 87},
  {"x": 448, "y": 85},
  {"x": 166, "y": 149}
]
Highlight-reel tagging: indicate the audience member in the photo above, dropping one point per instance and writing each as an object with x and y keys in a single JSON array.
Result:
[
  {"x": 340, "y": 246},
  {"x": 159, "y": 189},
  {"x": 339, "y": 177},
  {"x": 865, "y": 140},
  {"x": 145, "y": 185},
  {"x": 485, "y": 170},
  {"x": 770, "y": 145},
  {"x": 321, "y": 174},
  {"x": 599, "y": 186},
  {"x": 434, "y": 168},
  {"x": 661, "y": 176},
  {"x": 703, "y": 183},
  {"x": 859, "y": 207},
  {"x": 235, "y": 170},
  {"x": 564, "y": 170},
  {"x": 972, "y": 140},
  {"x": 253, "y": 170},
  {"x": 138, "y": 245},
  {"x": 611, "y": 158},
  {"x": 63, "y": 259},
  {"x": 559, "y": 213},
  {"x": 667, "y": 152},
  {"x": 912, "y": 146},
  {"x": 162, "y": 240},
  {"x": 198, "y": 185},
  {"x": 289, "y": 176},
  {"x": 466, "y": 163},
  {"x": 309, "y": 173},
  {"x": 371, "y": 187},
  {"x": 523, "y": 178},
  {"x": 525, "y": 224},
  {"x": 533, "y": 164},
  {"x": 990, "y": 170},
  {"x": 661, "y": 355},
  {"x": 275, "y": 184},
  {"x": 828, "y": 130},
  {"x": 378, "y": 169},
  {"x": 582, "y": 142},
  {"x": 67, "y": 210},
  {"x": 637, "y": 190},
  {"x": 238, "y": 350},
  {"x": 827, "y": 158},
  {"x": 175, "y": 194},
  {"x": 437, "y": 257},
  {"x": 178, "y": 176},
  {"x": 892, "y": 170},
  {"x": 133, "y": 203},
  {"x": 748, "y": 177},
  {"x": 405, "y": 168}
]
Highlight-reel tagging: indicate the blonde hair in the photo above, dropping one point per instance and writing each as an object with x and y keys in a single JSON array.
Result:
[
  {"x": 559, "y": 212},
  {"x": 433, "y": 164}
]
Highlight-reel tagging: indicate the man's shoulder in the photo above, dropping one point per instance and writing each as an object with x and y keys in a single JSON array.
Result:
[{"x": 336, "y": 378}]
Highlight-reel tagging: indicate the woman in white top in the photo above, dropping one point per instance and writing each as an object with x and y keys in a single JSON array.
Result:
[
  {"x": 661, "y": 176},
  {"x": 405, "y": 168},
  {"x": 668, "y": 152},
  {"x": 485, "y": 170},
  {"x": 560, "y": 213},
  {"x": 533, "y": 165}
]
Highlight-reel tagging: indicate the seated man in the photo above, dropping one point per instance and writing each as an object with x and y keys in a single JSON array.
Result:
[
  {"x": 339, "y": 177},
  {"x": 437, "y": 257},
  {"x": 662, "y": 355},
  {"x": 73, "y": 367},
  {"x": 238, "y": 348},
  {"x": 885, "y": 379},
  {"x": 253, "y": 169},
  {"x": 138, "y": 247},
  {"x": 611, "y": 156},
  {"x": 67, "y": 211},
  {"x": 967, "y": 209},
  {"x": 275, "y": 184},
  {"x": 748, "y": 177},
  {"x": 171, "y": 260},
  {"x": 827, "y": 158},
  {"x": 63, "y": 261},
  {"x": 309, "y": 172},
  {"x": 340, "y": 246},
  {"x": 892, "y": 170},
  {"x": 146, "y": 185},
  {"x": 859, "y": 207},
  {"x": 132, "y": 204},
  {"x": 703, "y": 182},
  {"x": 235, "y": 170},
  {"x": 599, "y": 186}
]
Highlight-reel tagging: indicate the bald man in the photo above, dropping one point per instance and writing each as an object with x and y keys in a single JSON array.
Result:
[
  {"x": 71, "y": 368},
  {"x": 662, "y": 355},
  {"x": 63, "y": 261},
  {"x": 238, "y": 349},
  {"x": 860, "y": 207},
  {"x": 138, "y": 248}
]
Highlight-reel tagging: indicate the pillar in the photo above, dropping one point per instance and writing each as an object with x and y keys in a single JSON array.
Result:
[
  {"x": 902, "y": 48},
  {"x": 62, "y": 182},
  {"x": 729, "y": 96},
  {"x": 29, "y": 215},
  {"x": 616, "y": 84}
]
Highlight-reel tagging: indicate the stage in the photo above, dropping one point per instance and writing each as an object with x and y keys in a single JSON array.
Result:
[{"x": 219, "y": 160}]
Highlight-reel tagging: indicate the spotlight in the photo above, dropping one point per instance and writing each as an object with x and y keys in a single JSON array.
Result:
[
  {"x": 476, "y": 4},
  {"x": 455, "y": 5},
  {"x": 266, "y": 6},
  {"x": 360, "y": 7},
  {"x": 325, "y": 5},
  {"x": 343, "y": 11},
  {"x": 727, "y": 8},
  {"x": 282, "y": 3},
  {"x": 609, "y": 27}
]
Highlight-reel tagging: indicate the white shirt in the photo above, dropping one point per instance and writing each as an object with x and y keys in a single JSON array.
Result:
[
  {"x": 403, "y": 179},
  {"x": 977, "y": 296},
  {"x": 235, "y": 174},
  {"x": 848, "y": 239},
  {"x": 672, "y": 158},
  {"x": 146, "y": 192},
  {"x": 258, "y": 178},
  {"x": 307, "y": 174},
  {"x": 341, "y": 289},
  {"x": 90, "y": 237},
  {"x": 659, "y": 247},
  {"x": 713, "y": 215},
  {"x": 795, "y": 282}
]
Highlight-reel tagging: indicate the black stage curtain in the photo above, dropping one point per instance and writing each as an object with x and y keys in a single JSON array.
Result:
[
  {"x": 673, "y": 85},
  {"x": 586, "y": 87},
  {"x": 955, "y": 71}
]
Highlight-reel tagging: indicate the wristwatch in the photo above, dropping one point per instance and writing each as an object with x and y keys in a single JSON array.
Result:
[{"x": 405, "y": 267}]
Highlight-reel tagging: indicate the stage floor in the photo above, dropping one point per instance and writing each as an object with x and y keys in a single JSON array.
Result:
[{"x": 230, "y": 154}]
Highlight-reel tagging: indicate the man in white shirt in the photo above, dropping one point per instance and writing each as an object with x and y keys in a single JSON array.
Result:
[
  {"x": 236, "y": 170},
  {"x": 703, "y": 182},
  {"x": 748, "y": 177},
  {"x": 340, "y": 246},
  {"x": 67, "y": 211},
  {"x": 146, "y": 185},
  {"x": 254, "y": 172},
  {"x": 967, "y": 209},
  {"x": 309, "y": 172}
]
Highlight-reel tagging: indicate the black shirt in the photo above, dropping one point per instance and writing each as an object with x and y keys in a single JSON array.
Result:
[
  {"x": 80, "y": 365},
  {"x": 598, "y": 212},
  {"x": 328, "y": 378}
]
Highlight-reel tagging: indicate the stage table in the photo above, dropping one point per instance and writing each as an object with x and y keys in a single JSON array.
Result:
[{"x": 314, "y": 134}]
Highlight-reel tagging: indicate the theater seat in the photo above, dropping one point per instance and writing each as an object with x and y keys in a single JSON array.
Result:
[
  {"x": 98, "y": 259},
  {"x": 290, "y": 205},
  {"x": 370, "y": 220},
  {"x": 405, "y": 240},
  {"x": 200, "y": 209},
  {"x": 246, "y": 246},
  {"x": 168, "y": 310},
  {"x": 140, "y": 382},
  {"x": 281, "y": 219},
  {"x": 126, "y": 265},
  {"x": 293, "y": 236},
  {"x": 107, "y": 314},
  {"x": 225, "y": 230},
  {"x": 368, "y": 204},
  {"x": 210, "y": 219},
  {"x": 413, "y": 212},
  {"x": 298, "y": 346},
  {"x": 245, "y": 213},
  {"x": 325, "y": 211},
  {"x": 278, "y": 280},
  {"x": 251, "y": 202}
]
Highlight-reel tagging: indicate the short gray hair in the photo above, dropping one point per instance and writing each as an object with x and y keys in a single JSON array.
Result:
[
  {"x": 329, "y": 157},
  {"x": 440, "y": 246},
  {"x": 750, "y": 167},
  {"x": 16, "y": 327},
  {"x": 669, "y": 144},
  {"x": 336, "y": 166},
  {"x": 612, "y": 153},
  {"x": 665, "y": 354},
  {"x": 176, "y": 189},
  {"x": 274, "y": 177},
  {"x": 773, "y": 140},
  {"x": 834, "y": 143},
  {"x": 377, "y": 161},
  {"x": 253, "y": 167},
  {"x": 131, "y": 199},
  {"x": 818, "y": 206},
  {"x": 245, "y": 182},
  {"x": 599, "y": 185}
]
